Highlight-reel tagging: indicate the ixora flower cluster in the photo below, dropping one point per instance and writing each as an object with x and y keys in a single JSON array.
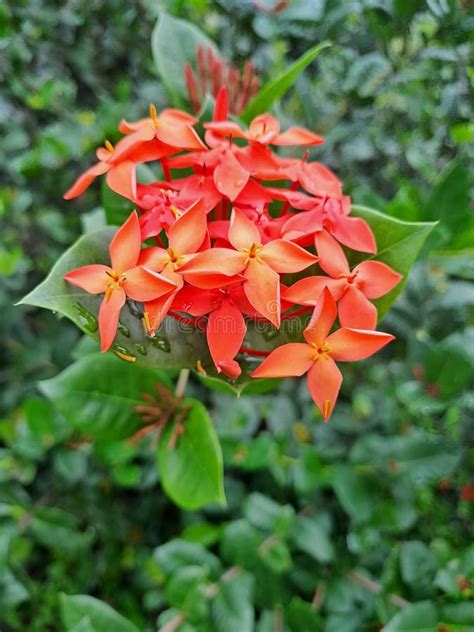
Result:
[{"x": 215, "y": 240}]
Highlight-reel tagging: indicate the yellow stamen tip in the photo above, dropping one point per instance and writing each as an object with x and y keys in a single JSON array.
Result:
[
  {"x": 153, "y": 112},
  {"x": 200, "y": 369},
  {"x": 176, "y": 212},
  {"x": 326, "y": 408},
  {"x": 124, "y": 356},
  {"x": 109, "y": 146}
]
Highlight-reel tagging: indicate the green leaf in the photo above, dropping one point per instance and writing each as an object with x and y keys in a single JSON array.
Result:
[
  {"x": 231, "y": 608},
  {"x": 192, "y": 473},
  {"x": 98, "y": 395},
  {"x": 417, "y": 566},
  {"x": 366, "y": 74},
  {"x": 178, "y": 554},
  {"x": 398, "y": 245},
  {"x": 420, "y": 458},
  {"x": 353, "y": 492},
  {"x": 173, "y": 346},
  {"x": 311, "y": 538},
  {"x": 448, "y": 202},
  {"x": 417, "y": 617},
  {"x": 276, "y": 88},
  {"x": 74, "y": 608},
  {"x": 174, "y": 44}
]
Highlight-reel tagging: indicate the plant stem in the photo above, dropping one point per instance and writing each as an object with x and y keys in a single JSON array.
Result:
[{"x": 182, "y": 382}]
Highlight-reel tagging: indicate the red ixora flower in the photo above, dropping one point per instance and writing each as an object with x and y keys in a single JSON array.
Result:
[
  {"x": 213, "y": 243},
  {"x": 352, "y": 289},
  {"x": 124, "y": 279},
  {"x": 317, "y": 356}
]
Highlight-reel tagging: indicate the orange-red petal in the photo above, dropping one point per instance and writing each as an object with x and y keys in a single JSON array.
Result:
[
  {"x": 189, "y": 230},
  {"x": 307, "y": 291},
  {"x": 92, "y": 279},
  {"x": 297, "y": 136},
  {"x": 290, "y": 360},
  {"x": 376, "y": 278},
  {"x": 226, "y": 331},
  {"x": 215, "y": 261},
  {"x": 229, "y": 176},
  {"x": 242, "y": 231},
  {"x": 122, "y": 179},
  {"x": 85, "y": 180},
  {"x": 145, "y": 285},
  {"x": 331, "y": 256},
  {"x": 109, "y": 314},
  {"x": 350, "y": 345},
  {"x": 284, "y": 256},
  {"x": 322, "y": 319},
  {"x": 354, "y": 233},
  {"x": 124, "y": 248},
  {"x": 263, "y": 290},
  {"x": 324, "y": 382},
  {"x": 355, "y": 310}
]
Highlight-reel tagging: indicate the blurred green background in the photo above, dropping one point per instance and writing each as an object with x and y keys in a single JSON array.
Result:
[{"x": 362, "y": 524}]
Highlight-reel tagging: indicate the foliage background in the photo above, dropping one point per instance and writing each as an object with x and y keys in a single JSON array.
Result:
[{"x": 324, "y": 524}]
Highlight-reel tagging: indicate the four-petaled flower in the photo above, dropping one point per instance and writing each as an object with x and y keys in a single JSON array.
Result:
[
  {"x": 352, "y": 289},
  {"x": 126, "y": 278},
  {"x": 317, "y": 356},
  {"x": 260, "y": 264}
]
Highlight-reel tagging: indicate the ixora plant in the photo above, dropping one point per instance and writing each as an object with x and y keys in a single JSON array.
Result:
[{"x": 235, "y": 262}]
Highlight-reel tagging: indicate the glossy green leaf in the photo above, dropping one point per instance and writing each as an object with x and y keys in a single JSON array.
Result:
[
  {"x": 192, "y": 472},
  {"x": 310, "y": 537},
  {"x": 173, "y": 346},
  {"x": 398, "y": 245},
  {"x": 417, "y": 617},
  {"x": 98, "y": 395},
  {"x": 74, "y": 608},
  {"x": 232, "y": 609},
  {"x": 276, "y": 88},
  {"x": 174, "y": 44}
]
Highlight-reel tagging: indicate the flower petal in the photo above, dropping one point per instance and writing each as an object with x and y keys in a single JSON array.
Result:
[
  {"x": 225, "y": 128},
  {"x": 376, "y": 278},
  {"x": 156, "y": 310},
  {"x": 263, "y": 129},
  {"x": 92, "y": 279},
  {"x": 194, "y": 301},
  {"x": 122, "y": 179},
  {"x": 324, "y": 382},
  {"x": 145, "y": 285},
  {"x": 284, "y": 256},
  {"x": 298, "y": 136},
  {"x": 350, "y": 345},
  {"x": 263, "y": 290},
  {"x": 223, "y": 261},
  {"x": 290, "y": 360},
  {"x": 109, "y": 314},
  {"x": 322, "y": 319},
  {"x": 319, "y": 180},
  {"x": 308, "y": 291},
  {"x": 179, "y": 135},
  {"x": 355, "y": 233},
  {"x": 355, "y": 310},
  {"x": 154, "y": 258},
  {"x": 124, "y": 248},
  {"x": 229, "y": 176},
  {"x": 189, "y": 230},
  {"x": 242, "y": 231},
  {"x": 85, "y": 180},
  {"x": 331, "y": 256},
  {"x": 212, "y": 281},
  {"x": 226, "y": 331}
]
